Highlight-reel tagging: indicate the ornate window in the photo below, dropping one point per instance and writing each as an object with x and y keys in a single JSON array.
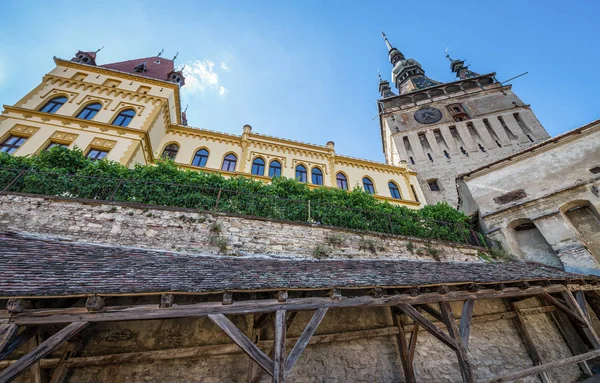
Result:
[
  {"x": 368, "y": 185},
  {"x": 342, "y": 181},
  {"x": 96, "y": 154},
  {"x": 394, "y": 191},
  {"x": 317, "y": 176},
  {"x": 170, "y": 151},
  {"x": 55, "y": 144},
  {"x": 229, "y": 163},
  {"x": 258, "y": 166},
  {"x": 11, "y": 144},
  {"x": 458, "y": 112},
  {"x": 301, "y": 173},
  {"x": 53, "y": 105},
  {"x": 124, "y": 117},
  {"x": 274, "y": 169},
  {"x": 90, "y": 111},
  {"x": 200, "y": 158}
]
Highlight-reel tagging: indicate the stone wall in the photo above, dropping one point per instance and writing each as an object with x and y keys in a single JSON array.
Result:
[
  {"x": 188, "y": 231},
  {"x": 494, "y": 349}
]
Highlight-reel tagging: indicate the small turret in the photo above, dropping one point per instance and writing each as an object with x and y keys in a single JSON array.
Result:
[
  {"x": 82, "y": 57},
  {"x": 462, "y": 71}
]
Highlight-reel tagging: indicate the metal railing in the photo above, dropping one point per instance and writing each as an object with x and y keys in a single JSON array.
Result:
[{"x": 220, "y": 200}]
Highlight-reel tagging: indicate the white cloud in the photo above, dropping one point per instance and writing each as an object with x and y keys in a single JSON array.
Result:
[
  {"x": 225, "y": 67},
  {"x": 222, "y": 91},
  {"x": 200, "y": 76}
]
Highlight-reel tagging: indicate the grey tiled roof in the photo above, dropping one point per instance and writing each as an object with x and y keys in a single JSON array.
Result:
[{"x": 34, "y": 266}]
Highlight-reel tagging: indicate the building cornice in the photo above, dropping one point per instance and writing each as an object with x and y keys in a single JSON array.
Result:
[{"x": 127, "y": 76}]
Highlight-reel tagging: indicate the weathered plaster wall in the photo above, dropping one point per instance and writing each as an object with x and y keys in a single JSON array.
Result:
[
  {"x": 495, "y": 349},
  {"x": 178, "y": 230}
]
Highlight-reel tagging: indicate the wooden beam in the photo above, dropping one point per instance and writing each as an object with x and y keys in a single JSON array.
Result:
[
  {"x": 15, "y": 306},
  {"x": 21, "y": 338},
  {"x": 261, "y": 320},
  {"x": 461, "y": 353},
  {"x": 404, "y": 349},
  {"x": 465, "y": 321},
  {"x": 144, "y": 312},
  {"x": 35, "y": 372},
  {"x": 45, "y": 348},
  {"x": 545, "y": 367},
  {"x": 571, "y": 338},
  {"x": 166, "y": 301},
  {"x": 580, "y": 298},
  {"x": 227, "y": 298},
  {"x": 60, "y": 372},
  {"x": 94, "y": 303},
  {"x": 588, "y": 329},
  {"x": 238, "y": 337},
  {"x": 231, "y": 348},
  {"x": 526, "y": 339},
  {"x": 412, "y": 345},
  {"x": 573, "y": 314},
  {"x": 255, "y": 335},
  {"x": 7, "y": 332},
  {"x": 302, "y": 342},
  {"x": 432, "y": 311},
  {"x": 279, "y": 347},
  {"x": 428, "y": 325}
]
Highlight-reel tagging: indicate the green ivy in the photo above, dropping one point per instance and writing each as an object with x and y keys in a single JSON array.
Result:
[{"x": 68, "y": 173}]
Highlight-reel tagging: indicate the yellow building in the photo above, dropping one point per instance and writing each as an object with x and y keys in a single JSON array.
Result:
[{"x": 130, "y": 112}]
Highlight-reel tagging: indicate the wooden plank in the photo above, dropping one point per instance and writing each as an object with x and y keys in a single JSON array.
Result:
[
  {"x": 580, "y": 298},
  {"x": 255, "y": 335},
  {"x": 465, "y": 321},
  {"x": 428, "y": 325},
  {"x": 527, "y": 341},
  {"x": 571, "y": 338},
  {"x": 21, "y": 338},
  {"x": 545, "y": 367},
  {"x": 569, "y": 311},
  {"x": 404, "y": 350},
  {"x": 35, "y": 372},
  {"x": 304, "y": 338},
  {"x": 60, "y": 372},
  {"x": 261, "y": 320},
  {"x": 412, "y": 345},
  {"x": 7, "y": 332},
  {"x": 461, "y": 353},
  {"x": 42, "y": 350},
  {"x": 279, "y": 347},
  {"x": 144, "y": 312},
  {"x": 588, "y": 329},
  {"x": 238, "y": 337}
]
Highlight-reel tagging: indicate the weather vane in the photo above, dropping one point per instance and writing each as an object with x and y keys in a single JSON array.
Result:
[
  {"x": 161, "y": 52},
  {"x": 99, "y": 49}
]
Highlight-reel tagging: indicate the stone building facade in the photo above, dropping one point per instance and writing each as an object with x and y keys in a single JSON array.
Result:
[
  {"x": 446, "y": 129},
  {"x": 542, "y": 203},
  {"x": 130, "y": 112}
]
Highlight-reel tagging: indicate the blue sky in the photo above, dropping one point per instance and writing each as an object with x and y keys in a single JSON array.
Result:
[{"x": 307, "y": 70}]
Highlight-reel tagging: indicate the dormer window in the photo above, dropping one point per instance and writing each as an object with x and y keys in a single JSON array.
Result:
[{"x": 141, "y": 68}]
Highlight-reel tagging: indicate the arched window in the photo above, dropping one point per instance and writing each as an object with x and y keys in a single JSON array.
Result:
[
  {"x": 368, "y": 185},
  {"x": 258, "y": 166},
  {"x": 124, "y": 117},
  {"x": 229, "y": 163},
  {"x": 171, "y": 151},
  {"x": 200, "y": 158},
  {"x": 54, "y": 104},
  {"x": 274, "y": 169},
  {"x": 317, "y": 176},
  {"x": 90, "y": 111},
  {"x": 342, "y": 181},
  {"x": 394, "y": 191},
  {"x": 301, "y": 173}
]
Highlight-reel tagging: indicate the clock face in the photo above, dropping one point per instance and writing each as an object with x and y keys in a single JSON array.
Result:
[{"x": 428, "y": 115}]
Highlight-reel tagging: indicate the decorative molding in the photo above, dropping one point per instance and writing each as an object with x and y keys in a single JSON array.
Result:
[
  {"x": 103, "y": 143},
  {"x": 23, "y": 130},
  {"x": 63, "y": 137}
]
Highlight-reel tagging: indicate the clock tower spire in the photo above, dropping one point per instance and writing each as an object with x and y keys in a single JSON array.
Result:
[{"x": 407, "y": 74}]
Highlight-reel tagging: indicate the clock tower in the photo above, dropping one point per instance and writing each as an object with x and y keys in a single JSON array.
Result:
[{"x": 443, "y": 129}]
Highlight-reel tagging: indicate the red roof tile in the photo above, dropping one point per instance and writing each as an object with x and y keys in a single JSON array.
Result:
[{"x": 156, "y": 67}]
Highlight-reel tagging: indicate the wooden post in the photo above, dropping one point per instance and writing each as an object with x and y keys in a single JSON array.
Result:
[
  {"x": 404, "y": 349},
  {"x": 236, "y": 335},
  {"x": 7, "y": 332},
  {"x": 35, "y": 372},
  {"x": 461, "y": 353},
  {"x": 588, "y": 330},
  {"x": 302, "y": 342},
  {"x": 279, "y": 347},
  {"x": 20, "y": 339},
  {"x": 73, "y": 347},
  {"x": 465, "y": 321},
  {"x": 571, "y": 338},
  {"x": 42, "y": 350},
  {"x": 255, "y": 334},
  {"x": 428, "y": 325},
  {"x": 527, "y": 341}
]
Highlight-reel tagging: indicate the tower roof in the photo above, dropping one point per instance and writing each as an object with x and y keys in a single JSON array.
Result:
[{"x": 462, "y": 71}]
